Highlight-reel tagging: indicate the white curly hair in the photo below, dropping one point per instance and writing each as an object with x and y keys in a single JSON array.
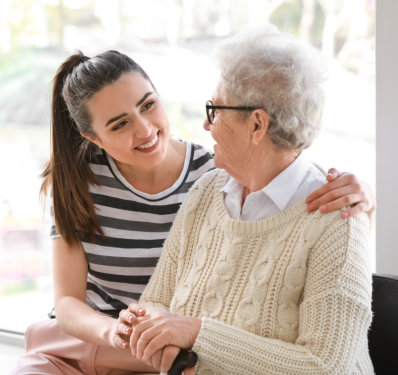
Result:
[{"x": 269, "y": 69}]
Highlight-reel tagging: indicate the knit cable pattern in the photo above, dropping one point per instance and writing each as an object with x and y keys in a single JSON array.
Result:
[{"x": 290, "y": 294}]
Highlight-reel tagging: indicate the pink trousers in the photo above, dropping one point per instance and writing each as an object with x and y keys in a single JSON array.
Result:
[{"x": 51, "y": 351}]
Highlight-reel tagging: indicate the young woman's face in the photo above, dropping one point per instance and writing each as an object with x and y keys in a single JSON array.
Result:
[{"x": 130, "y": 122}]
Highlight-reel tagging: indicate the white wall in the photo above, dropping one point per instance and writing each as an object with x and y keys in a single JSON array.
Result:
[{"x": 387, "y": 136}]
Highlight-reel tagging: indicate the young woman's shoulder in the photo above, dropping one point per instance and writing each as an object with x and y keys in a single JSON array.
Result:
[
  {"x": 201, "y": 154},
  {"x": 201, "y": 149},
  {"x": 200, "y": 161}
]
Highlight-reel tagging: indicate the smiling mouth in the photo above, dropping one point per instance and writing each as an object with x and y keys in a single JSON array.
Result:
[{"x": 149, "y": 144}]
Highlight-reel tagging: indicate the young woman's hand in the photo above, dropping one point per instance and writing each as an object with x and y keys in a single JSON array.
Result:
[
  {"x": 123, "y": 327},
  {"x": 343, "y": 189},
  {"x": 160, "y": 331}
]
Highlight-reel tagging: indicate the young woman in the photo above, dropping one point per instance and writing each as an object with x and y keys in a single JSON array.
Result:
[{"x": 117, "y": 179}]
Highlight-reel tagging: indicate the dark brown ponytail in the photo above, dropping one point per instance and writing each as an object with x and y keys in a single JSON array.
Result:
[{"x": 68, "y": 172}]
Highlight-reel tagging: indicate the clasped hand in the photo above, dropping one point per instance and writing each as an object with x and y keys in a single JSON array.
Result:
[{"x": 157, "y": 338}]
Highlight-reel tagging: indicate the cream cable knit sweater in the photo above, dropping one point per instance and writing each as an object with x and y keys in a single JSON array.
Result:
[{"x": 290, "y": 294}]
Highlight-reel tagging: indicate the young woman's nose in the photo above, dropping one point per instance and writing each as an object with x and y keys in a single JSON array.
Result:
[{"x": 143, "y": 128}]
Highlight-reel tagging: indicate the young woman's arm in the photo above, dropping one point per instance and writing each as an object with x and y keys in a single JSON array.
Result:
[
  {"x": 74, "y": 316},
  {"x": 342, "y": 190}
]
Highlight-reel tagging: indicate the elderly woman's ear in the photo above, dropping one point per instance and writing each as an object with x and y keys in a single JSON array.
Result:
[{"x": 259, "y": 126}]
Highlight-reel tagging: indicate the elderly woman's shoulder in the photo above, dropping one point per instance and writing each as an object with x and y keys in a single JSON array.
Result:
[
  {"x": 333, "y": 222},
  {"x": 203, "y": 188},
  {"x": 210, "y": 179}
]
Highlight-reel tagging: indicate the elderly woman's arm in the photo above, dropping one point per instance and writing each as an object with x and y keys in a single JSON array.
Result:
[
  {"x": 161, "y": 288},
  {"x": 334, "y": 316},
  {"x": 333, "y": 320}
]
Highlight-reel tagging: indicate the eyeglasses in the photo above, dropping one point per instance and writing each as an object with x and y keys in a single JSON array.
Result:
[{"x": 211, "y": 109}]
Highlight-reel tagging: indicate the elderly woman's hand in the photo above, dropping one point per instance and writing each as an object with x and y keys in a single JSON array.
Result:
[
  {"x": 164, "y": 358},
  {"x": 343, "y": 189},
  {"x": 161, "y": 330}
]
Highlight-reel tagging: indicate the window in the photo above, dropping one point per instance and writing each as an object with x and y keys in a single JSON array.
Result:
[{"x": 173, "y": 41}]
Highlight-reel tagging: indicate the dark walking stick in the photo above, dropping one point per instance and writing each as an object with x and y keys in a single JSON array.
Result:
[{"x": 184, "y": 359}]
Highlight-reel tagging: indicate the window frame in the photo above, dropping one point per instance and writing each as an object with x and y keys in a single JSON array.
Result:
[{"x": 386, "y": 137}]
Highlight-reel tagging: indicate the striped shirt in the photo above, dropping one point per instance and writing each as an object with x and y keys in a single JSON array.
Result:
[{"x": 135, "y": 225}]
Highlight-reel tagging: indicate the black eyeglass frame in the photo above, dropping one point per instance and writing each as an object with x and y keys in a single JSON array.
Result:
[{"x": 211, "y": 106}]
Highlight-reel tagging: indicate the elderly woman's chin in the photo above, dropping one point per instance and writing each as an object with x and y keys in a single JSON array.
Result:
[
  {"x": 228, "y": 157},
  {"x": 217, "y": 159},
  {"x": 220, "y": 162}
]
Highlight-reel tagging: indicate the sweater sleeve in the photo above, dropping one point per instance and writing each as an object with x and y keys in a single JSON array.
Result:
[
  {"x": 334, "y": 316},
  {"x": 160, "y": 290}
]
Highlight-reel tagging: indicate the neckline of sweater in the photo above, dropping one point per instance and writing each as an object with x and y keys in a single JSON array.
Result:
[{"x": 252, "y": 227}]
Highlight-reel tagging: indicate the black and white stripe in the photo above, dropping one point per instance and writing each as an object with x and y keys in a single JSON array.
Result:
[{"x": 135, "y": 225}]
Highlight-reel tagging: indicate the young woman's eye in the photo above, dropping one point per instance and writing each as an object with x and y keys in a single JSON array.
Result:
[
  {"x": 119, "y": 125},
  {"x": 148, "y": 105}
]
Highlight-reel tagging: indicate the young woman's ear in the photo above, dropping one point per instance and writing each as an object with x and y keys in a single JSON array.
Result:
[
  {"x": 91, "y": 139},
  {"x": 259, "y": 130}
]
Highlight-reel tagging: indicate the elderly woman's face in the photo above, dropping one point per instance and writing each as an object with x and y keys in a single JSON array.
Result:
[{"x": 232, "y": 148}]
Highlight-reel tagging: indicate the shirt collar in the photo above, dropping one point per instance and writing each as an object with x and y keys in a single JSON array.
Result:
[
  {"x": 232, "y": 186},
  {"x": 282, "y": 188}
]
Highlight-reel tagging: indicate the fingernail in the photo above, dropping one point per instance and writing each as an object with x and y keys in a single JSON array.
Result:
[
  {"x": 140, "y": 310},
  {"x": 345, "y": 214},
  {"x": 131, "y": 318},
  {"x": 124, "y": 345},
  {"x": 322, "y": 208},
  {"x": 310, "y": 207}
]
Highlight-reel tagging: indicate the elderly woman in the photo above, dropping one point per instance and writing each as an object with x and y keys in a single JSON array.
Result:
[{"x": 249, "y": 279}]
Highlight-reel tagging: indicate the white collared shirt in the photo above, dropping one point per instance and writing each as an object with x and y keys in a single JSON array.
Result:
[{"x": 287, "y": 189}]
